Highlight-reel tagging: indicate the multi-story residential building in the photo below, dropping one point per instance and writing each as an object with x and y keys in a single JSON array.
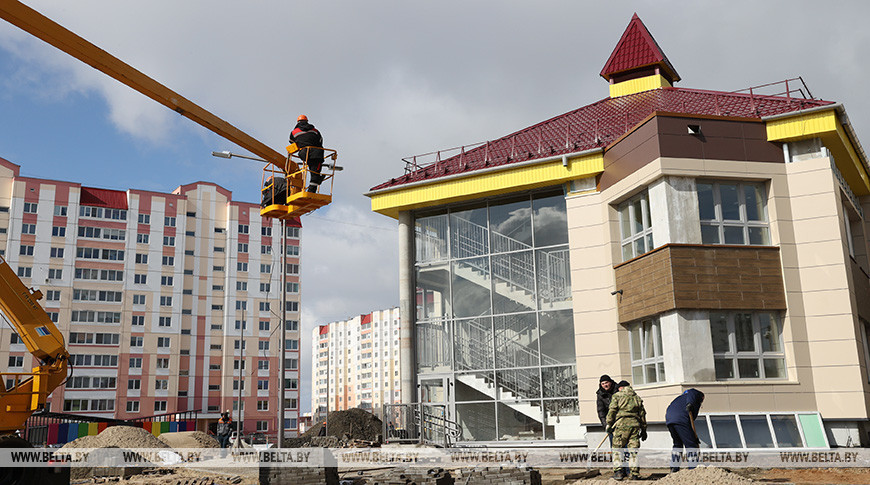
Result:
[
  {"x": 677, "y": 238},
  {"x": 356, "y": 363},
  {"x": 158, "y": 295}
]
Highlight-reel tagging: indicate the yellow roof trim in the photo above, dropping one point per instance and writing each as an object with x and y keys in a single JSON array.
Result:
[
  {"x": 486, "y": 183},
  {"x": 824, "y": 124},
  {"x": 638, "y": 85}
]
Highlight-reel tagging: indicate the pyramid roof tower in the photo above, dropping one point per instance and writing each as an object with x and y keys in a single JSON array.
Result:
[{"x": 637, "y": 54}]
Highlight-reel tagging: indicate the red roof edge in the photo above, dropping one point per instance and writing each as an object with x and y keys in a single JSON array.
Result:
[
  {"x": 11, "y": 166},
  {"x": 113, "y": 199},
  {"x": 637, "y": 49}
]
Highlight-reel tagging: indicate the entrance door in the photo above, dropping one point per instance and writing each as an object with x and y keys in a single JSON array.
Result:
[{"x": 435, "y": 392}]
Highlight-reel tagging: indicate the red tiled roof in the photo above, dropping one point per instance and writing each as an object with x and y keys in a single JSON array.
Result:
[
  {"x": 636, "y": 49},
  {"x": 114, "y": 199},
  {"x": 598, "y": 125}
]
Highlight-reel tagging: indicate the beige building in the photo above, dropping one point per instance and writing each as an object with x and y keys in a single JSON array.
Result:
[
  {"x": 356, "y": 363},
  {"x": 157, "y": 295},
  {"x": 677, "y": 238}
]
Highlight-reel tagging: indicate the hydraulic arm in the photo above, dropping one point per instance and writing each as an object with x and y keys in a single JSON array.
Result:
[{"x": 40, "y": 335}]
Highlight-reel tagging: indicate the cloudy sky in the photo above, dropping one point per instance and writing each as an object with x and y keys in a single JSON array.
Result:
[{"x": 382, "y": 80}]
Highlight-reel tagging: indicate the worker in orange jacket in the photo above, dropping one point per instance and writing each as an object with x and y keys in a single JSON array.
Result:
[{"x": 310, "y": 143}]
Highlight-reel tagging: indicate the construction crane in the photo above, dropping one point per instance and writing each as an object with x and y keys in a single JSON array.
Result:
[
  {"x": 284, "y": 192},
  {"x": 284, "y": 197}
]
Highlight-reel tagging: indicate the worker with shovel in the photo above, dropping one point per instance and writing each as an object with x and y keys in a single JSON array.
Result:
[
  {"x": 626, "y": 419},
  {"x": 680, "y": 419}
]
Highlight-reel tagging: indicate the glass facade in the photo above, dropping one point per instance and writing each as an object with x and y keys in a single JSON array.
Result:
[{"x": 494, "y": 317}]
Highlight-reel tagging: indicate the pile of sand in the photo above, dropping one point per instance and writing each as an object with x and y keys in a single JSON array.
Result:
[
  {"x": 118, "y": 437},
  {"x": 189, "y": 439},
  {"x": 704, "y": 474}
]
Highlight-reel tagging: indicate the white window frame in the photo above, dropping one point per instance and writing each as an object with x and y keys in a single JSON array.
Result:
[
  {"x": 628, "y": 243},
  {"x": 720, "y": 223},
  {"x": 733, "y": 355}
]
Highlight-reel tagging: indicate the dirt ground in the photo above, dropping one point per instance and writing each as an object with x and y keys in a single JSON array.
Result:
[{"x": 781, "y": 476}]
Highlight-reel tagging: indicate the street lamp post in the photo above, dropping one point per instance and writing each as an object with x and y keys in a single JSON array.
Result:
[{"x": 283, "y": 343}]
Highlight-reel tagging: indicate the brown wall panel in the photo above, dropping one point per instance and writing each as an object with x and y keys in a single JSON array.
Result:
[
  {"x": 699, "y": 277},
  {"x": 667, "y": 135}
]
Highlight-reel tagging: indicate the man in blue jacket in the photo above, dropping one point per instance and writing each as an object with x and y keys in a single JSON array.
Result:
[{"x": 680, "y": 419}]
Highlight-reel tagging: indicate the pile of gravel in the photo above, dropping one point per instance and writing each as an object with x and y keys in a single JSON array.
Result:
[{"x": 189, "y": 439}]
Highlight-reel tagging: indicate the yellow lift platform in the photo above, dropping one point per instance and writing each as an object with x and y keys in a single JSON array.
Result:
[{"x": 283, "y": 200}]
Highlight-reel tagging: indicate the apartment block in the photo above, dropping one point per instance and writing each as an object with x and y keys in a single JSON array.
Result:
[
  {"x": 169, "y": 302},
  {"x": 356, "y": 363},
  {"x": 674, "y": 237}
]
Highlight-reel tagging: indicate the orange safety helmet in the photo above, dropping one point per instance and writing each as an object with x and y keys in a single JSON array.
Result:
[{"x": 301, "y": 118}]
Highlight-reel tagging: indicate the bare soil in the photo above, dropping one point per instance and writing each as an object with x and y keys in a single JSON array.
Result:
[{"x": 189, "y": 439}]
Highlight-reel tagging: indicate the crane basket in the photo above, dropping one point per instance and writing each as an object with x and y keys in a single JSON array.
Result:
[{"x": 284, "y": 190}]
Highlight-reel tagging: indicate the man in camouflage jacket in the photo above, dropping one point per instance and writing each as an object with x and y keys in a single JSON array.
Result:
[{"x": 626, "y": 419}]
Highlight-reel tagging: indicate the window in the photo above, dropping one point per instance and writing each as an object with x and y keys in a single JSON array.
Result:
[
  {"x": 292, "y": 250},
  {"x": 144, "y": 218},
  {"x": 165, "y": 301},
  {"x": 241, "y": 305},
  {"x": 141, "y": 258},
  {"x": 138, "y": 320},
  {"x": 132, "y": 406},
  {"x": 169, "y": 221},
  {"x": 264, "y": 325},
  {"x": 241, "y": 325},
  {"x": 218, "y": 249},
  {"x": 28, "y": 228},
  {"x": 30, "y": 207},
  {"x": 265, "y": 287},
  {"x": 243, "y": 247},
  {"x": 292, "y": 344},
  {"x": 243, "y": 228},
  {"x": 264, "y": 345},
  {"x": 634, "y": 218},
  {"x": 266, "y": 231},
  {"x": 293, "y": 232},
  {"x": 60, "y": 210},
  {"x": 265, "y": 249},
  {"x": 159, "y": 406},
  {"x": 163, "y": 342},
  {"x": 262, "y": 384},
  {"x": 138, "y": 299},
  {"x": 647, "y": 360},
  {"x": 217, "y": 268},
  {"x": 25, "y": 272},
  {"x": 219, "y": 230},
  {"x": 262, "y": 406},
  {"x": 241, "y": 266},
  {"x": 52, "y": 295},
  {"x": 293, "y": 268},
  {"x": 169, "y": 240},
  {"x": 135, "y": 362},
  {"x": 164, "y": 321},
  {"x": 136, "y": 341},
  {"x": 733, "y": 213},
  {"x": 747, "y": 345},
  {"x": 16, "y": 361},
  {"x": 263, "y": 365},
  {"x": 162, "y": 363},
  {"x": 265, "y": 268},
  {"x": 264, "y": 306},
  {"x": 56, "y": 253},
  {"x": 166, "y": 280},
  {"x": 168, "y": 261},
  {"x": 58, "y": 231},
  {"x": 140, "y": 279},
  {"x": 241, "y": 286},
  {"x": 161, "y": 384},
  {"x": 143, "y": 238},
  {"x": 292, "y": 325},
  {"x": 262, "y": 426},
  {"x": 292, "y": 287}
]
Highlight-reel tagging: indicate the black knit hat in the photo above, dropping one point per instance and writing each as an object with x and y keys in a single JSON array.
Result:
[
  {"x": 605, "y": 378},
  {"x": 623, "y": 384}
]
